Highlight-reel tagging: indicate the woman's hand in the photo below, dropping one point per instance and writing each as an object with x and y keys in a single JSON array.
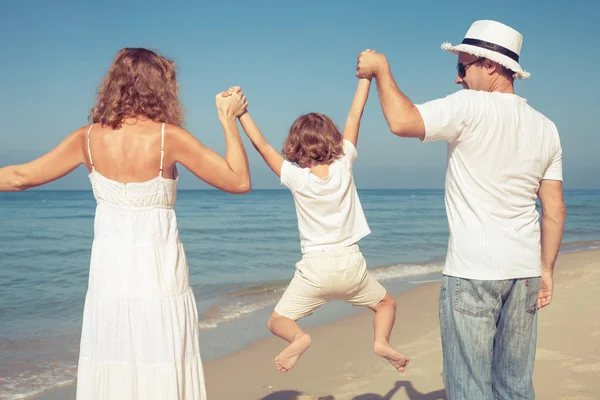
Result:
[{"x": 231, "y": 103}]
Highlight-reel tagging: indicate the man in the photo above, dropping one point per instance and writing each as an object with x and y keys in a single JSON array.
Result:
[{"x": 501, "y": 155}]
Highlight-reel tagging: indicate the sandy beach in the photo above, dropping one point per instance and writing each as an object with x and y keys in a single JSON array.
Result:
[{"x": 341, "y": 365}]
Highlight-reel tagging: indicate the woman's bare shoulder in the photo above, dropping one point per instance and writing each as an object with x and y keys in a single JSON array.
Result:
[
  {"x": 82, "y": 132},
  {"x": 177, "y": 134}
]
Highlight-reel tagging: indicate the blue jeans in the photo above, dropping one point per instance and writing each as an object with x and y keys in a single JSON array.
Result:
[{"x": 489, "y": 333}]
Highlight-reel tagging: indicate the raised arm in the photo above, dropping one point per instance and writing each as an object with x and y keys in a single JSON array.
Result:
[
  {"x": 67, "y": 156},
  {"x": 271, "y": 156},
  {"x": 400, "y": 113},
  {"x": 230, "y": 174},
  {"x": 352, "y": 126}
]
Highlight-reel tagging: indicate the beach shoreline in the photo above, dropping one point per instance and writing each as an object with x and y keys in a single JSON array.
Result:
[{"x": 341, "y": 364}]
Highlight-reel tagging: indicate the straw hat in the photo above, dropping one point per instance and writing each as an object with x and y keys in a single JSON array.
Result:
[{"x": 494, "y": 41}]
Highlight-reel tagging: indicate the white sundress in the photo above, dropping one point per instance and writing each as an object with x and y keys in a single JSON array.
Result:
[{"x": 140, "y": 336}]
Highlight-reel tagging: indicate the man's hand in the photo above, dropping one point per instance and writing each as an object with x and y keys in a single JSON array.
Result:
[
  {"x": 369, "y": 64},
  {"x": 546, "y": 290}
]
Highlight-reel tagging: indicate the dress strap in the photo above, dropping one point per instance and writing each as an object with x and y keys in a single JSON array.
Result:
[
  {"x": 89, "y": 149},
  {"x": 162, "y": 149}
]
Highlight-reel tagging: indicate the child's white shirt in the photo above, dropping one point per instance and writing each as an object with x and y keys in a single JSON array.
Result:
[{"x": 329, "y": 212}]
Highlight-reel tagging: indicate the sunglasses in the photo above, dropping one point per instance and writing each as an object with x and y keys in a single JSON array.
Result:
[{"x": 462, "y": 68}]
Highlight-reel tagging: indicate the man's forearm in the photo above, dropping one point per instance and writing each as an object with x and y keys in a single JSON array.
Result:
[
  {"x": 400, "y": 113},
  {"x": 553, "y": 223}
]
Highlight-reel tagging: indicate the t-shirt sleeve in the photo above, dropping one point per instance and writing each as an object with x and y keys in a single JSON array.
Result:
[
  {"x": 447, "y": 118},
  {"x": 350, "y": 153},
  {"x": 554, "y": 171},
  {"x": 292, "y": 176}
]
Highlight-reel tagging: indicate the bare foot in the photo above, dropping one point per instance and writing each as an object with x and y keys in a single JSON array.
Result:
[
  {"x": 394, "y": 357},
  {"x": 288, "y": 357}
]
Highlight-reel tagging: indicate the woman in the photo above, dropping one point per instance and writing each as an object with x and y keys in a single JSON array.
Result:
[{"x": 140, "y": 324}]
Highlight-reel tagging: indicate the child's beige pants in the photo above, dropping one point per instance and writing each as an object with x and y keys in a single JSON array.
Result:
[{"x": 326, "y": 275}]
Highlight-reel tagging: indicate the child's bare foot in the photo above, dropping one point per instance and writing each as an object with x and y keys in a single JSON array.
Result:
[
  {"x": 394, "y": 357},
  {"x": 288, "y": 357}
]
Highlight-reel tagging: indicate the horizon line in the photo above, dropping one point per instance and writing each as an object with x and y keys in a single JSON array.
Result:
[{"x": 261, "y": 189}]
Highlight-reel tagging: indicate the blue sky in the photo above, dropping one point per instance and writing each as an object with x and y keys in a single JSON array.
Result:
[{"x": 291, "y": 58}]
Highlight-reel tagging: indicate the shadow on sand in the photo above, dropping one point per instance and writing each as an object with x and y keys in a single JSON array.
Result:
[{"x": 411, "y": 392}]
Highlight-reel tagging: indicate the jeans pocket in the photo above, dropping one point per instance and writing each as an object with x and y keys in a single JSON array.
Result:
[
  {"x": 533, "y": 291},
  {"x": 443, "y": 288},
  {"x": 476, "y": 298}
]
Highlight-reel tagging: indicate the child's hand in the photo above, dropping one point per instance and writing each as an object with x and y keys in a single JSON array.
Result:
[{"x": 231, "y": 103}]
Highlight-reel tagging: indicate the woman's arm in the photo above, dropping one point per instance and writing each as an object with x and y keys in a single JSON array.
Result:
[
  {"x": 67, "y": 156},
  {"x": 230, "y": 174}
]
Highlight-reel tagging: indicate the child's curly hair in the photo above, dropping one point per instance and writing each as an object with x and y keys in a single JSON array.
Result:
[
  {"x": 313, "y": 139},
  {"x": 138, "y": 83}
]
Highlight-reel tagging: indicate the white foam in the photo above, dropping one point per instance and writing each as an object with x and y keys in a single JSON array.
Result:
[
  {"x": 235, "y": 311},
  {"x": 575, "y": 249},
  {"x": 423, "y": 282},
  {"x": 36, "y": 383},
  {"x": 239, "y": 309},
  {"x": 405, "y": 270}
]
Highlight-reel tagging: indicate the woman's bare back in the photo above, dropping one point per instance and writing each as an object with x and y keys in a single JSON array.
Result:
[{"x": 129, "y": 154}]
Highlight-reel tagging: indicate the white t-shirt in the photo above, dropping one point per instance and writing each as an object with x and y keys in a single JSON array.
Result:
[
  {"x": 499, "y": 150},
  {"x": 329, "y": 212}
]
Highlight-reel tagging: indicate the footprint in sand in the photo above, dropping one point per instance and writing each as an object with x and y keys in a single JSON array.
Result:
[
  {"x": 586, "y": 368},
  {"x": 576, "y": 385},
  {"x": 549, "y": 355}
]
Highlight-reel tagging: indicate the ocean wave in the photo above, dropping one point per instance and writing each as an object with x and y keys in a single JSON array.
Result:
[
  {"x": 580, "y": 246},
  {"x": 46, "y": 377},
  {"x": 221, "y": 314},
  {"x": 405, "y": 270},
  {"x": 257, "y": 296},
  {"x": 67, "y": 217},
  {"x": 260, "y": 288},
  {"x": 55, "y": 253}
]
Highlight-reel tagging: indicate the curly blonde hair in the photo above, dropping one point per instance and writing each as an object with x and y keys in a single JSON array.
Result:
[
  {"x": 313, "y": 139},
  {"x": 139, "y": 83}
]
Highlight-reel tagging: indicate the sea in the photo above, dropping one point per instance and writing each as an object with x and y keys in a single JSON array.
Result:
[{"x": 241, "y": 250}]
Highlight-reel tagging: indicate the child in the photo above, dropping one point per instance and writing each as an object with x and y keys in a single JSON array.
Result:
[{"x": 331, "y": 221}]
